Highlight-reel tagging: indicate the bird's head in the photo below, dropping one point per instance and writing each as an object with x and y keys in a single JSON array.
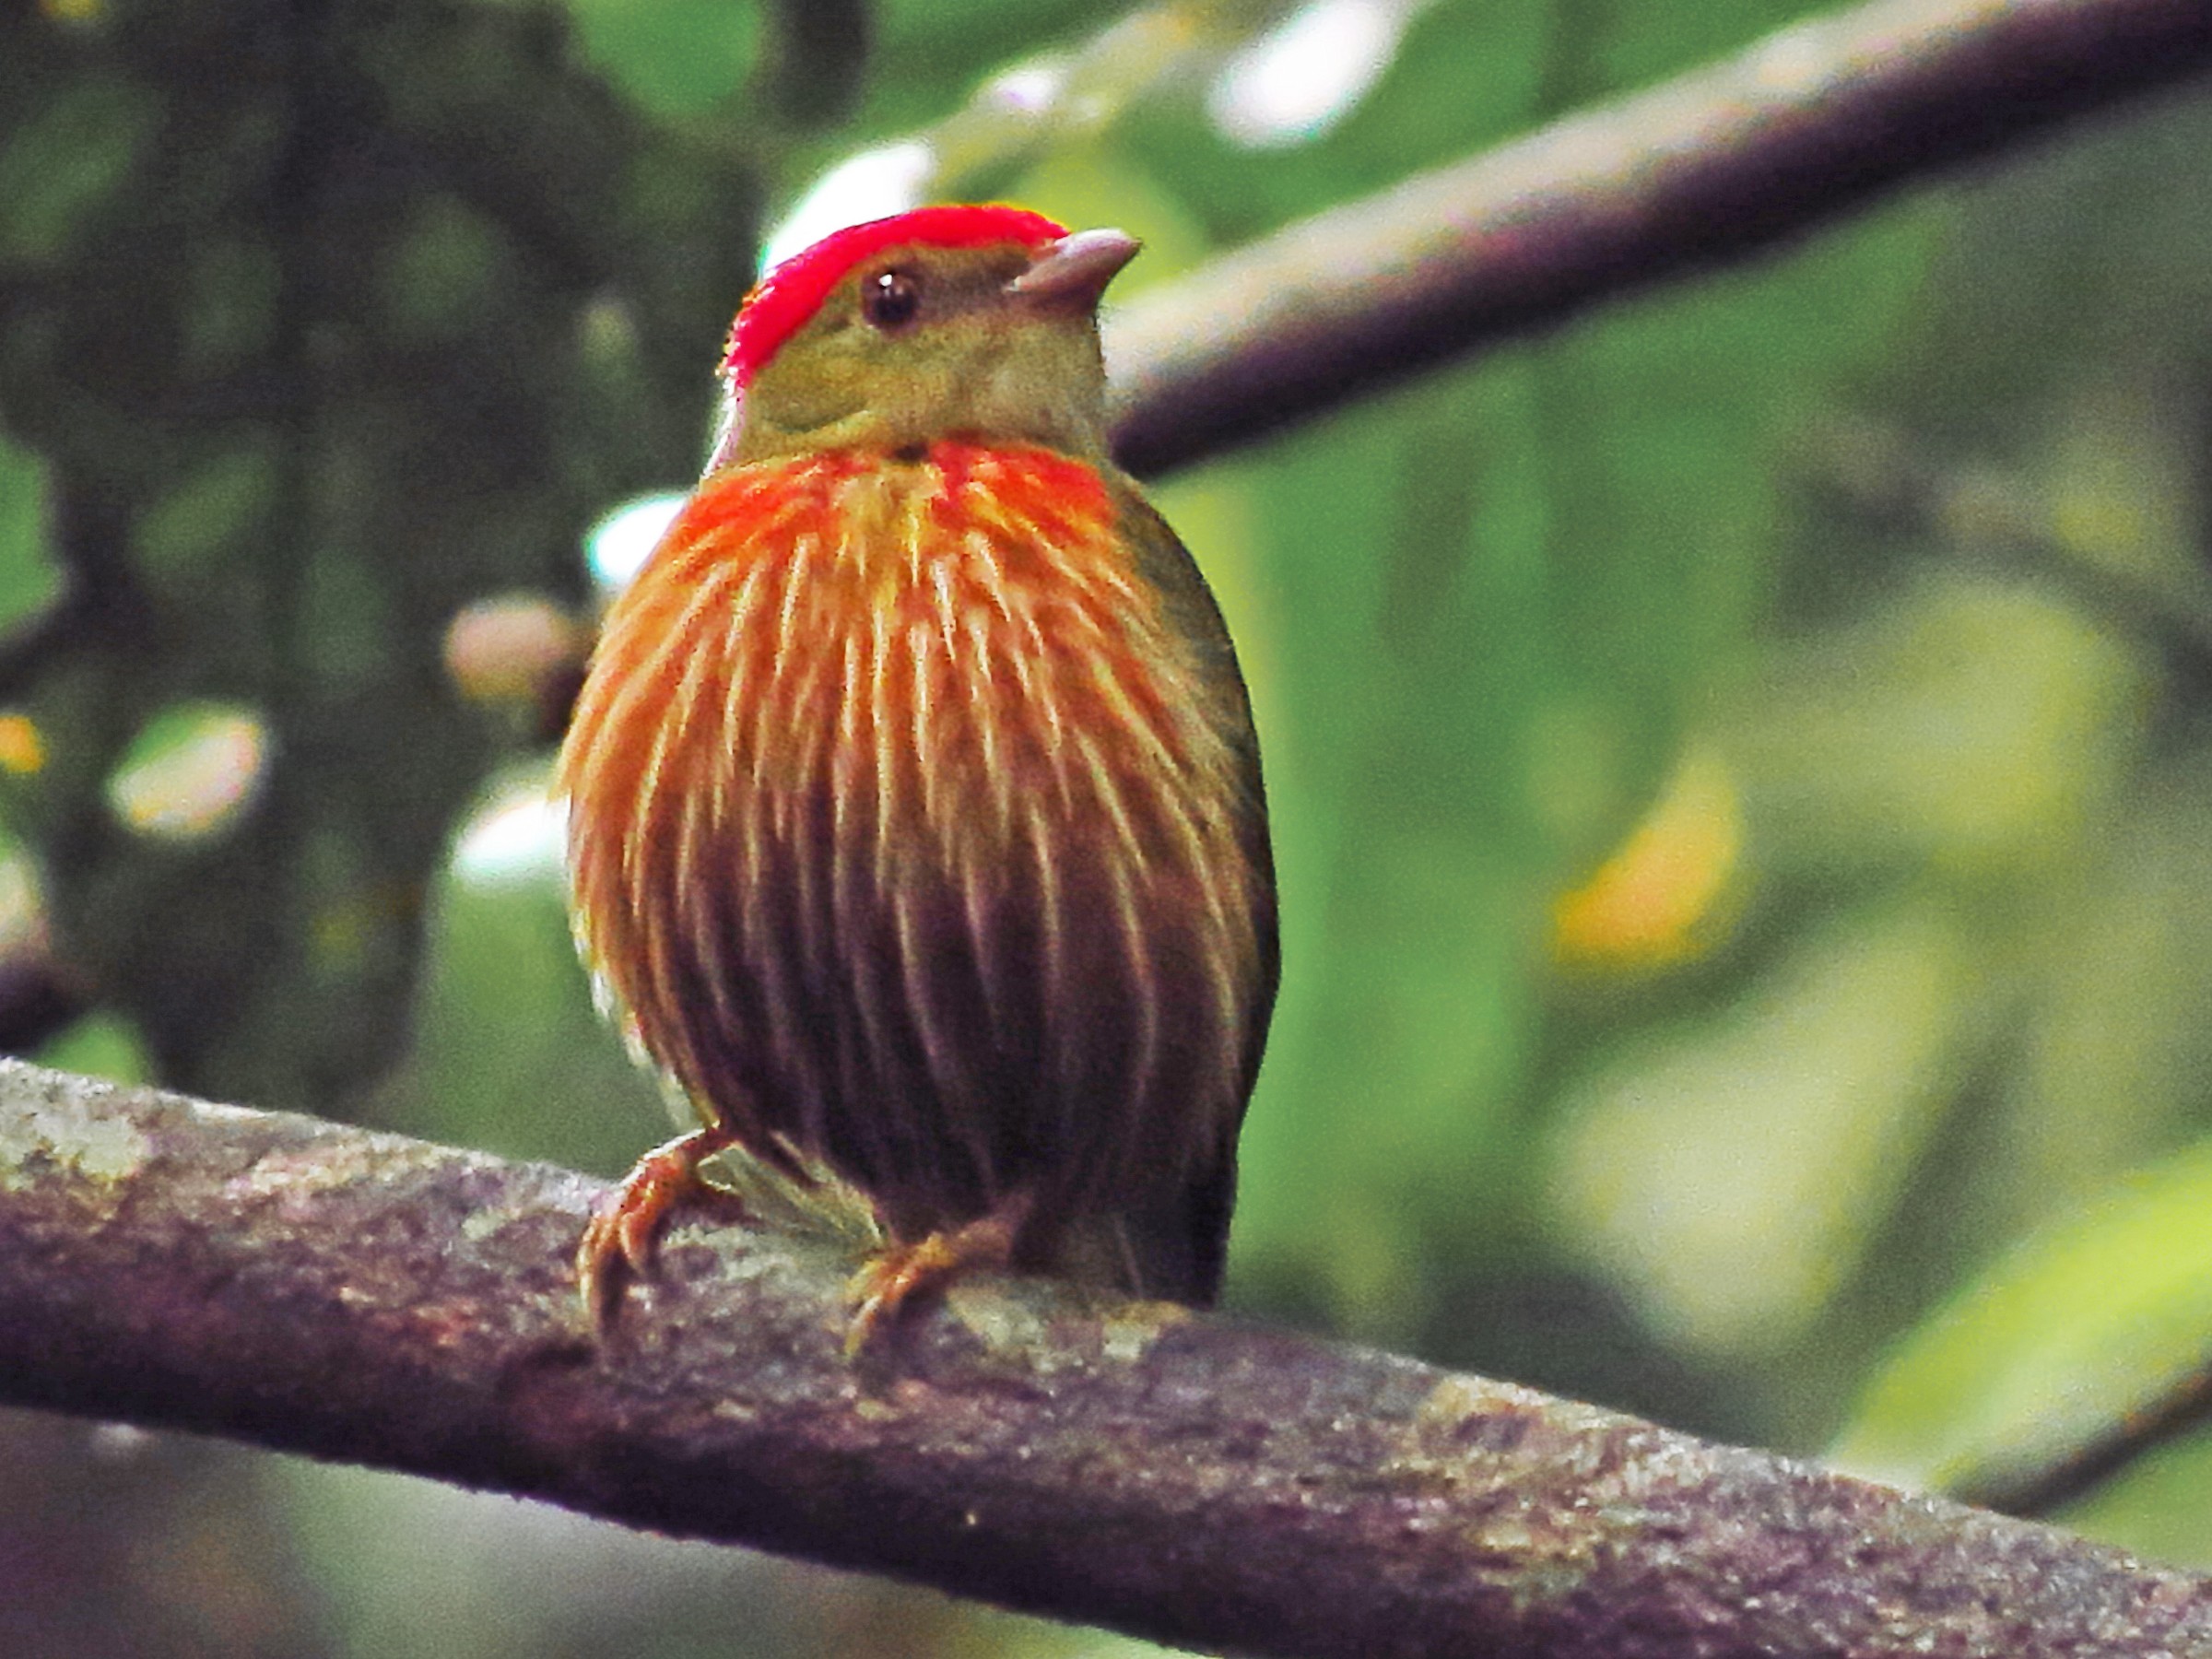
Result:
[{"x": 941, "y": 322}]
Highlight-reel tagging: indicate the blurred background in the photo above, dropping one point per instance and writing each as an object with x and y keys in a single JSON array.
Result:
[{"x": 1741, "y": 764}]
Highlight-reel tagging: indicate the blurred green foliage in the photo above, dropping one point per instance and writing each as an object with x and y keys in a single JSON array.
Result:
[
  {"x": 1870, "y": 581},
  {"x": 2082, "y": 1328}
]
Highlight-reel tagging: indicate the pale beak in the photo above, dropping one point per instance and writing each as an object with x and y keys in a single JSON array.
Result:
[{"x": 1070, "y": 275}]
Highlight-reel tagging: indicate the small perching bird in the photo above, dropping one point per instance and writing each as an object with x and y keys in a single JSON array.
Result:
[{"x": 914, "y": 810}]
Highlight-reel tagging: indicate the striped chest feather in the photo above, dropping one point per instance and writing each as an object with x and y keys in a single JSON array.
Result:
[{"x": 912, "y": 830}]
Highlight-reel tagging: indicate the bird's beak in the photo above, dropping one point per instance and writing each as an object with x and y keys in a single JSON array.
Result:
[{"x": 1070, "y": 274}]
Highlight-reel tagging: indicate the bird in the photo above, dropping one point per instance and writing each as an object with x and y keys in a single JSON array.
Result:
[{"x": 916, "y": 832}]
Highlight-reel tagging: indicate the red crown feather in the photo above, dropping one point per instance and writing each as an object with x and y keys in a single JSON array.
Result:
[{"x": 782, "y": 300}]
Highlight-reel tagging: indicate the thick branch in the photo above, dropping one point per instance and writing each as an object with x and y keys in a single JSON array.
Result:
[
  {"x": 317, "y": 1288},
  {"x": 1710, "y": 167}
]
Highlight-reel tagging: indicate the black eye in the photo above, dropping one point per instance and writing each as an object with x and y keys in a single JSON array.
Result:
[{"x": 889, "y": 299}]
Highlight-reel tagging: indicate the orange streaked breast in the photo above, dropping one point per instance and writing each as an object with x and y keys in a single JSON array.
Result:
[{"x": 911, "y": 829}]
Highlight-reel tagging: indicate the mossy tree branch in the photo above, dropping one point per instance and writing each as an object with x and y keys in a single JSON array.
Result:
[{"x": 317, "y": 1288}]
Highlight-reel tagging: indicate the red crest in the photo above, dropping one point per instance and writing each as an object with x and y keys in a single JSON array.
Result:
[{"x": 782, "y": 300}]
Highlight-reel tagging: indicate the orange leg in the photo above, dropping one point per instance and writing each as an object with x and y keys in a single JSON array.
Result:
[
  {"x": 625, "y": 1231},
  {"x": 901, "y": 1271}
]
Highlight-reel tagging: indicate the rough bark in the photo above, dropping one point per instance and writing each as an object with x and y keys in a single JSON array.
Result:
[{"x": 321, "y": 1290}]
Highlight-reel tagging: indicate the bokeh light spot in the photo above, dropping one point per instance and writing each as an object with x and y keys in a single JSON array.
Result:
[
  {"x": 872, "y": 185},
  {"x": 514, "y": 836},
  {"x": 619, "y": 544},
  {"x": 1303, "y": 76},
  {"x": 22, "y": 749},
  {"x": 506, "y": 648},
  {"x": 192, "y": 771},
  {"x": 1646, "y": 905}
]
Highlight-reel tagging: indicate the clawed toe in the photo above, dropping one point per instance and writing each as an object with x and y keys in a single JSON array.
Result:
[
  {"x": 619, "y": 1241},
  {"x": 895, "y": 1275}
]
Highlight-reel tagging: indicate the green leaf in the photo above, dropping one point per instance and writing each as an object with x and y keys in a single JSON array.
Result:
[
  {"x": 204, "y": 521},
  {"x": 59, "y": 166},
  {"x": 2074, "y": 1331},
  {"x": 672, "y": 58},
  {"x": 30, "y": 581},
  {"x": 99, "y": 1045},
  {"x": 2156, "y": 1506}
]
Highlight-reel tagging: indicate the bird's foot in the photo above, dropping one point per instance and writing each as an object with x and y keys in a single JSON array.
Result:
[
  {"x": 899, "y": 1272},
  {"x": 625, "y": 1231}
]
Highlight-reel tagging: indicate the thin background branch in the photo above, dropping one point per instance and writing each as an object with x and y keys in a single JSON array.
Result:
[
  {"x": 323, "y": 1290},
  {"x": 1709, "y": 169}
]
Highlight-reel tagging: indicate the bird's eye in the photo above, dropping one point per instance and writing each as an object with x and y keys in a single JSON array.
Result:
[{"x": 889, "y": 299}]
